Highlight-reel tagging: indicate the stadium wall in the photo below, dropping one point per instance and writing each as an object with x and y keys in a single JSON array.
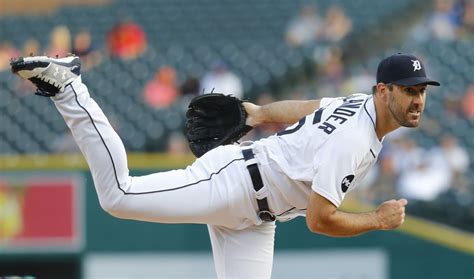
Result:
[{"x": 420, "y": 249}]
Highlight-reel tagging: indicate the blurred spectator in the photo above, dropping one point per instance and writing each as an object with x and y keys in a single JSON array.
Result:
[
  {"x": 423, "y": 174},
  {"x": 7, "y": 52},
  {"x": 361, "y": 82},
  {"x": 381, "y": 187},
  {"x": 190, "y": 86},
  {"x": 23, "y": 87},
  {"x": 468, "y": 102},
  {"x": 443, "y": 23},
  {"x": 458, "y": 159},
  {"x": 400, "y": 154},
  {"x": 221, "y": 80},
  {"x": 177, "y": 144},
  {"x": 84, "y": 48},
  {"x": 456, "y": 156},
  {"x": 432, "y": 127},
  {"x": 467, "y": 29},
  {"x": 126, "y": 40},
  {"x": 305, "y": 28},
  {"x": 59, "y": 41},
  {"x": 337, "y": 25},
  {"x": 161, "y": 91},
  {"x": 331, "y": 73},
  {"x": 452, "y": 109},
  {"x": 405, "y": 153},
  {"x": 65, "y": 143},
  {"x": 30, "y": 47}
]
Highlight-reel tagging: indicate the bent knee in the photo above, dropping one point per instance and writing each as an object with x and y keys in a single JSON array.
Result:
[{"x": 113, "y": 207}]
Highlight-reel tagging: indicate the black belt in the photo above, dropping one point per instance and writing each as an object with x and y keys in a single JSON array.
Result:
[{"x": 263, "y": 209}]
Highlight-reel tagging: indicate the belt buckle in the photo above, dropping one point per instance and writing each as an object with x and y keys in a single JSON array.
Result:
[{"x": 267, "y": 216}]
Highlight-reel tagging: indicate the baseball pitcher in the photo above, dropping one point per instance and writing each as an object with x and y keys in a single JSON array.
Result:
[{"x": 241, "y": 190}]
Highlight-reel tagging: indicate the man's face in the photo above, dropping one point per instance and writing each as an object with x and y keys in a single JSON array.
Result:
[{"x": 406, "y": 103}]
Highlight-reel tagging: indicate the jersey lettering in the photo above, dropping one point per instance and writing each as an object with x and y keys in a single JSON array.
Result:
[
  {"x": 335, "y": 117},
  {"x": 327, "y": 127},
  {"x": 341, "y": 114},
  {"x": 343, "y": 111}
]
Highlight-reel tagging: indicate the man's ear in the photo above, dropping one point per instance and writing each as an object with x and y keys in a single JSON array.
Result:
[{"x": 382, "y": 91}]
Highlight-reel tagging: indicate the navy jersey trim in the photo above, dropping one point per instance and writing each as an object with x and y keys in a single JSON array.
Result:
[
  {"x": 286, "y": 211},
  {"x": 101, "y": 138},
  {"x": 289, "y": 210},
  {"x": 373, "y": 154},
  {"x": 186, "y": 185},
  {"x": 115, "y": 170},
  {"x": 365, "y": 108}
]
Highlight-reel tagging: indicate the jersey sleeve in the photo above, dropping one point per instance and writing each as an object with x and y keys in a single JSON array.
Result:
[
  {"x": 335, "y": 168},
  {"x": 326, "y": 101}
]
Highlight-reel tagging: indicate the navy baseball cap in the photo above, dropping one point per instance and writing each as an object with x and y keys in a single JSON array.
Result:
[{"x": 403, "y": 69}]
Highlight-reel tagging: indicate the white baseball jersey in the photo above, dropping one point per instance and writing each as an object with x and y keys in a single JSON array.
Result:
[
  {"x": 215, "y": 190},
  {"x": 328, "y": 152}
]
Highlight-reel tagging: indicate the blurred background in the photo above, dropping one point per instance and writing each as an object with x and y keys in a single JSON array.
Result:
[{"x": 144, "y": 60}]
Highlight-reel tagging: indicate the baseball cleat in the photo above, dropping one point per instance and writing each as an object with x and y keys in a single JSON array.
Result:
[{"x": 50, "y": 75}]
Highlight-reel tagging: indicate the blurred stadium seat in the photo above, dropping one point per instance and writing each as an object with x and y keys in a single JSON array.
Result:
[{"x": 249, "y": 36}]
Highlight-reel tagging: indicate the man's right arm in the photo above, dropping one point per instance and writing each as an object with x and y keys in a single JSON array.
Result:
[
  {"x": 324, "y": 218},
  {"x": 285, "y": 112}
]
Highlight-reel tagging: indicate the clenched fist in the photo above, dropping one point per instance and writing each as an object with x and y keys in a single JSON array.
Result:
[{"x": 391, "y": 214}]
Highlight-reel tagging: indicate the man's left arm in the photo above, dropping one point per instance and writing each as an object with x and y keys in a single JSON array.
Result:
[{"x": 285, "y": 112}]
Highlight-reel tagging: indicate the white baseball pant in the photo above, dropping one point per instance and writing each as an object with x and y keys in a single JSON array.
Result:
[{"x": 215, "y": 190}]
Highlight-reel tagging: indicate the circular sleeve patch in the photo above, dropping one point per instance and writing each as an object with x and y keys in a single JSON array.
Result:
[{"x": 346, "y": 182}]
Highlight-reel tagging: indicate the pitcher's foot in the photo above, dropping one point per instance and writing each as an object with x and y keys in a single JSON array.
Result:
[{"x": 50, "y": 75}]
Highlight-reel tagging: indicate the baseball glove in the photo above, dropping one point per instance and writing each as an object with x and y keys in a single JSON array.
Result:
[{"x": 214, "y": 119}]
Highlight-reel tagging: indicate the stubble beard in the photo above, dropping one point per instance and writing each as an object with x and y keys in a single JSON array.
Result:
[{"x": 402, "y": 116}]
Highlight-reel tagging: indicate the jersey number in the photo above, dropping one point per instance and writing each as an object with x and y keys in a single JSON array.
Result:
[{"x": 316, "y": 119}]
